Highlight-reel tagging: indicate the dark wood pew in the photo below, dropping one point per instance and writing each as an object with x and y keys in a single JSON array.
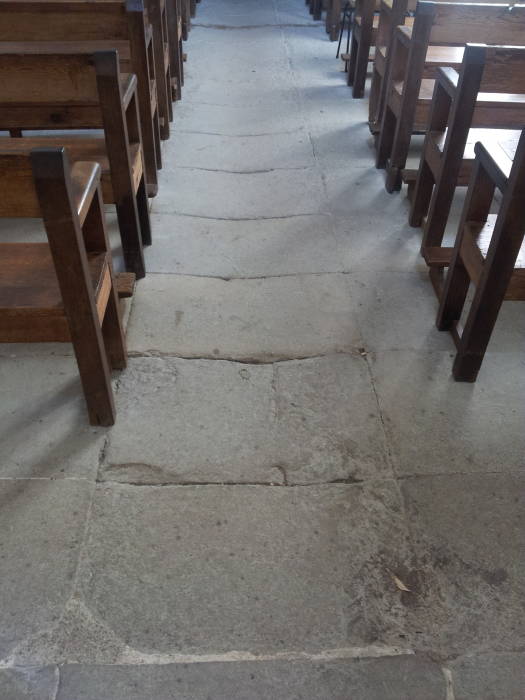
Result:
[
  {"x": 90, "y": 25},
  {"x": 392, "y": 13},
  {"x": 448, "y": 27},
  {"x": 63, "y": 290},
  {"x": 158, "y": 18},
  {"x": 175, "y": 45},
  {"x": 488, "y": 92},
  {"x": 42, "y": 90},
  {"x": 365, "y": 23},
  {"x": 333, "y": 19},
  {"x": 489, "y": 252}
]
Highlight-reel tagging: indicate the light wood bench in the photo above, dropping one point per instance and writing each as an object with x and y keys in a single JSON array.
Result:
[
  {"x": 63, "y": 290},
  {"x": 488, "y": 252},
  {"x": 409, "y": 92},
  {"x": 92, "y": 25},
  {"x": 42, "y": 89}
]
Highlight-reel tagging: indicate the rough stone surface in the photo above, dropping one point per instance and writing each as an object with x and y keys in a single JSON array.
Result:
[
  {"x": 213, "y": 421},
  {"x": 29, "y": 683},
  {"x": 253, "y": 320},
  {"x": 435, "y": 425},
  {"x": 470, "y": 589},
  {"x": 241, "y": 196},
  {"x": 43, "y": 422},
  {"x": 490, "y": 677},
  {"x": 232, "y": 249},
  {"x": 213, "y": 569},
  {"x": 42, "y": 524},
  {"x": 399, "y": 678}
]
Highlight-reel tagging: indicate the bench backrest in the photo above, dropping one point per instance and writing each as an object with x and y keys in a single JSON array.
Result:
[
  {"x": 504, "y": 68},
  {"x": 68, "y": 20},
  {"x": 459, "y": 23},
  {"x": 54, "y": 91}
]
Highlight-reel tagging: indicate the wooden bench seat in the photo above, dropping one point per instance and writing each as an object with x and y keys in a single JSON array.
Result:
[
  {"x": 488, "y": 254},
  {"x": 63, "y": 290},
  {"x": 90, "y": 149}
]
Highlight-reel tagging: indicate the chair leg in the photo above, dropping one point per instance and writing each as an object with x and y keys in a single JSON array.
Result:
[
  {"x": 143, "y": 212},
  {"x": 422, "y": 194},
  {"x": 352, "y": 61},
  {"x": 360, "y": 69},
  {"x": 386, "y": 138}
]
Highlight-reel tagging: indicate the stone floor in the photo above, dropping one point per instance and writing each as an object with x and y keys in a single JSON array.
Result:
[{"x": 297, "y": 502}]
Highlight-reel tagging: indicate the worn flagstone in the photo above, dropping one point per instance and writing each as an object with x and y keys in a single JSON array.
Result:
[
  {"x": 210, "y": 569},
  {"x": 206, "y": 421},
  {"x": 402, "y": 678},
  {"x": 250, "y": 320},
  {"x": 42, "y": 524}
]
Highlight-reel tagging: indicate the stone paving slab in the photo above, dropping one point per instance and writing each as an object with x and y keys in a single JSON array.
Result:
[
  {"x": 251, "y": 320},
  {"x": 489, "y": 677},
  {"x": 257, "y": 248},
  {"x": 29, "y": 683},
  {"x": 238, "y": 153},
  {"x": 203, "y": 421},
  {"x": 42, "y": 524},
  {"x": 44, "y": 431},
  {"x": 237, "y": 120},
  {"x": 247, "y": 196},
  {"x": 468, "y": 534},
  {"x": 436, "y": 425},
  {"x": 403, "y": 678},
  {"x": 396, "y": 311},
  {"x": 212, "y": 569}
]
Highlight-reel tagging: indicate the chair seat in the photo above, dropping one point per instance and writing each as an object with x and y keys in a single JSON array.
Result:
[
  {"x": 80, "y": 148},
  {"x": 31, "y": 307}
]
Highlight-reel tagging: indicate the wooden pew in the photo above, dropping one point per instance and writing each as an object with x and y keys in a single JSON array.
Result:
[
  {"x": 88, "y": 25},
  {"x": 42, "y": 89},
  {"x": 488, "y": 252},
  {"x": 489, "y": 92},
  {"x": 175, "y": 45},
  {"x": 158, "y": 18},
  {"x": 392, "y": 13},
  {"x": 333, "y": 19},
  {"x": 63, "y": 290},
  {"x": 409, "y": 92},
  {"x": 365, "y": 23}
]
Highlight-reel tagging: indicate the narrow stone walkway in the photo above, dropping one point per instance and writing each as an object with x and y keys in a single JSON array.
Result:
[{"x": 296, "y": 501}]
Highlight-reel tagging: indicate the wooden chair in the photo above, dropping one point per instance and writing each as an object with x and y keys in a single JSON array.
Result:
[
  {"x": 63, "y": 290},
  {"x": 392, "y": 13},
  {"x": 44, "y": 90},
  {"x": 488, "y": 252},
  {"x": 448, "y": 27},
  {"x": 489, "y": 92},
  {"x": 365, "y": 22},
  {"x": 92, "y": 25},
  {"x": 175, "y": 46}
]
